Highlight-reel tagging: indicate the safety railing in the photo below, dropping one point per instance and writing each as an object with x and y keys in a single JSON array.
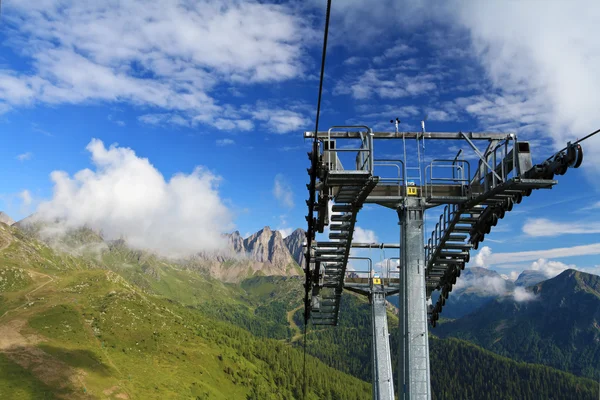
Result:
[
  {"x": 440, "y": 229},
  {"x": 497, "y": 164},
  {"x": 364, "y": 153},
  {"x": 392, "y": 271},
  {"x": 458, "y": 172},
  {"x": 361, "y": 274}
]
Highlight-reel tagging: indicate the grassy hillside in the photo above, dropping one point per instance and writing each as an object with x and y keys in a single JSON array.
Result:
[
  {"x": 76, "y": 330},
  {"x": 124, "y": 324},
  {"x": 558, "y": 326}
]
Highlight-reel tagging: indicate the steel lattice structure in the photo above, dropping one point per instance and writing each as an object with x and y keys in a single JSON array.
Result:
[{"x": 473, "y": 203}]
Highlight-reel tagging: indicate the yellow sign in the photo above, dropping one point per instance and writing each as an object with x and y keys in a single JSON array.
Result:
[
  {"x": 411, "y": 191},
  {"x": 376, "y": 281}
]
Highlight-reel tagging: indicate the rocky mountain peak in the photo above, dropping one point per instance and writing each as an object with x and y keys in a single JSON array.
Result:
[
  {"x": 268, "y": 246},
  {"x": 294, "y": 244},
  {"x": 236, "y": 242},
  {"x": 530, "y": 277}
]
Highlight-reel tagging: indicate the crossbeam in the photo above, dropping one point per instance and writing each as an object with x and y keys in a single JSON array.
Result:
[{"x": 412, "y": 135}]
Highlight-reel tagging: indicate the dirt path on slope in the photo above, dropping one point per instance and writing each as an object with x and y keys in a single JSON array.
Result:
[
  {"x": 290, "y": 318},
  {"x": 21, "y": 349},
  {"x": 50, "y": 279}
]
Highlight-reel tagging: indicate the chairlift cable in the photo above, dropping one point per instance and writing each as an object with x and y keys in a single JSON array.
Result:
[
  {"x": 313, "y": 178},
  {"x": 576, "y": 142}
]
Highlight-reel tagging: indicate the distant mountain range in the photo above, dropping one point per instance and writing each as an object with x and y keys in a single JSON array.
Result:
[
  {"x": 79, "y": 322},
  {"x": 265, "y": 252},
  {"x": 555, "y": 322}
]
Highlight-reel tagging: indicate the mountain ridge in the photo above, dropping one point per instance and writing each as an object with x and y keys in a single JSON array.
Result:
[
  {"x": 262, "y": 253},
  {"x": 6, "y": 219},
  {"x": 556, "y": 323}
]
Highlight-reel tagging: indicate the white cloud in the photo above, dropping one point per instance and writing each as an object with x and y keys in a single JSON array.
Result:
[
  {"x": 26, "y": 198},
  {"x": 522, "y": 62},
  {"x": 482, "y": 257},
  {"x": 127, "y": 196},
  {"x": 400, "y": 49},
  {"x": 25, "y": 156},
  {"x": 521, "y": 294},
  {"x": 489, "y": 285},
  {"x": 225, "y": 142},
  {"x": 594, "y": 206},
  {"x": 282, "y": 121},
  {"x": 486, "y": 258},
  {"x": 550, "y": 268},
  {"x": 541, "y": 227},
  {"x": 285, "y": 232},
  {"x": 283, "y": 191},
  {"x": 364, "y": 235},
  {"x": 377, "y": 82},
  {"x": 543, "y": 79},
  {"x": 150, "y": 53}
]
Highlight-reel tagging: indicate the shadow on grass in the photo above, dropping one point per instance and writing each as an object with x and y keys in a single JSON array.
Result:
[
  {"x": 84, "y": 359},
  {"x": 18, "y": 382}
]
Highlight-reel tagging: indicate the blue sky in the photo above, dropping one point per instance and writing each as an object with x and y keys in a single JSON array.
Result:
[{"x": 230, "y": 86}]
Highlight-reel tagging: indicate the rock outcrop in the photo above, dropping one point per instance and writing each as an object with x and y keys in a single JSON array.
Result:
[
  {"x": 294, "y": 244},
  {"x": 4, "y": 218}
]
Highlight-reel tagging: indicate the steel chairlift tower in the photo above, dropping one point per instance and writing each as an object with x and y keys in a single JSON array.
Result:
[{"x": 475, "y": 198}]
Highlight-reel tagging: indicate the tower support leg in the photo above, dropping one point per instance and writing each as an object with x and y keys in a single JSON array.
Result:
[
  {"x": 383, "y": 379},
  {"x": 413, "y": 369}
]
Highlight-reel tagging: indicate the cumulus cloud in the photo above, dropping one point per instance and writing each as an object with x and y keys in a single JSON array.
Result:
[
  {"x": 126, "y": 196},
  {"x": 541, "y": 227},
  {"x": 542, "y": 79},
  {"x": 521, "y": 294},
  {"x": 482, "y": 257},
  {"x": 25, "y": 156},
  {"x": 550, "y": 268},
  {"x": 283, "y": 191},
  {"x": 165, "y": 55},
  {"x": 488, "y": 285},
  {"x": 364, "y": 235}
]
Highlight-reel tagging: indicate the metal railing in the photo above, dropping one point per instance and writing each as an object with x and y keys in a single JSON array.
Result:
[
  {"x": 460, "y": 170},
  {"x": 441, "y": 227},
  {"x": 364, "y": 156},
  {"x": 388, "y": 272},
  {"x": 497, "y": 164}
]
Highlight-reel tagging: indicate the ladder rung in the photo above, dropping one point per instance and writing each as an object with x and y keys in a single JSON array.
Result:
[
  {"x": 341, "y": 208},
  {"x": 453, "y": 253},
  {"x": 341, "y": 235},
  {"x": 330, "y": 250},
  {"x": 341, "y": 218},
  {"x": 448, "y": 261},
  {"x": 462, "y": 229},
  {"x": 458, "y": 246},
  {"x": 457, "y": 238},
  {"x": 339, "y": 227}
]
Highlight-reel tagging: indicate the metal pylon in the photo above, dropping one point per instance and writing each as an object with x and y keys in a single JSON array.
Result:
[
  {"x": 504, "y": 175},
  {"x": 413, "y": 374}
]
